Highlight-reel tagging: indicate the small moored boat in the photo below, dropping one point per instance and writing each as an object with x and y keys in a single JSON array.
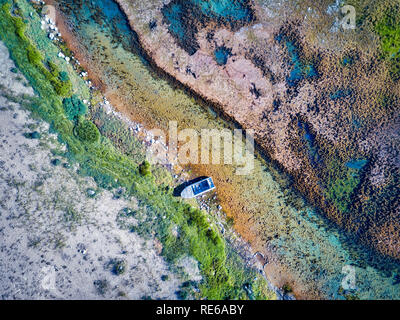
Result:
[{"x": 198, "y": 188}]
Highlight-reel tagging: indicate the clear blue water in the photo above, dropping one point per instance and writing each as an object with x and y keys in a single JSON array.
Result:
[
  {"x": 356, "y": 164},
  {"x": 357, "y": 123},
  {"x": 347, "y": 61},
  {"x": 222, "y": 55},
  {"x": 114, "y": 20},
  {"x": 340, "y": 94},
  {"x": 300, "y": 69}
]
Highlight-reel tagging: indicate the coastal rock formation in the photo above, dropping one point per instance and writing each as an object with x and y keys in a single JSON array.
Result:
[{"x": 323, "y": 100}]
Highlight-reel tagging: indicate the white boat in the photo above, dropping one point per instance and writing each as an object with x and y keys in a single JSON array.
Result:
[{"x": 198, "y": 188}]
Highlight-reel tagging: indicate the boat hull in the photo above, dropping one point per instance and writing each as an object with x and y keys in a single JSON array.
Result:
[{"x": 198, "y": 189}]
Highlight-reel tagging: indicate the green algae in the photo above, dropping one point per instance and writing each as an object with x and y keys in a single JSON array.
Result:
[
  {"x": 341, "y": 188},
  {"x": 74, "y": 107},
  {"x": 87, "y": 131},
  {"x": 388, "y": 29},
  {"x": 382, "y": 18}
]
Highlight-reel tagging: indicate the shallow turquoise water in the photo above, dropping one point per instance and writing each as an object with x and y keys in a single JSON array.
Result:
[
  {"x": 232, "y": 10},
  {"x": 312, "y": 248}
]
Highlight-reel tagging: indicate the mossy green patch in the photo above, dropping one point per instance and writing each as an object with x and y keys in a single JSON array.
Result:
[
  {"x": 342, "y": 183},
  {"x": 388, "y": 29},
  {"x": 144, "y": 169},
  {"x": 87, "y": 131}
]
